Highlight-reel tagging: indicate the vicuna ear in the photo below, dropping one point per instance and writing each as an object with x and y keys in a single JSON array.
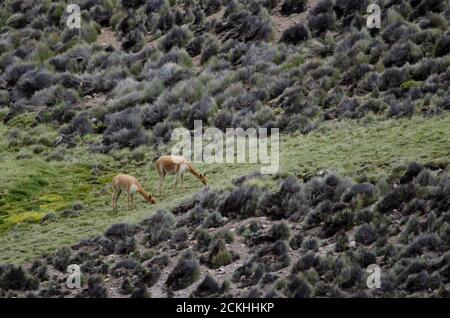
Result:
[{"x": 204, "y": 175}]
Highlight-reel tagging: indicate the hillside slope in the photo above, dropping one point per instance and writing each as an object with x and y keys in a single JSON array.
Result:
[
  {"x": 364, "y": 151},
  {"x": 232, "y": 243}
]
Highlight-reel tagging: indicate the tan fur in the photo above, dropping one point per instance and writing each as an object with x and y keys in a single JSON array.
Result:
[
  {"x": 176, "y": 165},
  {"x": 129, "y": 184}
]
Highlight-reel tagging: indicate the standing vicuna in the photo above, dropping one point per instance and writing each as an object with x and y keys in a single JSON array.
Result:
[
  {"x": 177, "y": 165},
  {"x": 129, "y": 184}
]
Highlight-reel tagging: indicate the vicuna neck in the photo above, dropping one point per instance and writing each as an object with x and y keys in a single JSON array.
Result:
[{"x": 194, "y": 171}]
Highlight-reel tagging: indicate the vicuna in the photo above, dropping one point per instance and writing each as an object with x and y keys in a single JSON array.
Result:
[
  {"x": 177, "y": 165},
  {"x": 129, "y": 184}
]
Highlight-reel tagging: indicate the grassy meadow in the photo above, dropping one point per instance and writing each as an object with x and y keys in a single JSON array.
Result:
[{"x": 53, "y": 197}]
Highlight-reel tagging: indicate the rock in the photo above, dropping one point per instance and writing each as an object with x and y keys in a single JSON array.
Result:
[{"x": 48, "y": 217}]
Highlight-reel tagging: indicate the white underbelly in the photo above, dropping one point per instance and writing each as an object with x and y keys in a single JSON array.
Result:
[
  {"x": 183, "y": 168},
  {"x": 133, "y": 188}
]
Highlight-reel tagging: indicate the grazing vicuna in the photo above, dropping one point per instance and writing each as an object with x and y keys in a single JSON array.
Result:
[
  {"x": 129, "y": 184},
  {"x": 178, "y": 166}
]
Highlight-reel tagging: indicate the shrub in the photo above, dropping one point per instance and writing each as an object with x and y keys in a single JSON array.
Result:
[
  {"x": 339, "y": 222},
  {"x": 341, "y": 243},
  {"x": 61, "y": 260},
  {"x": 347, "y": 7},
  {"x": 411, "y": 172},
  {"x": 177, "y": 37},
  {"x": 194, "y": 47},
  {"x": 295, "y": 34},
  {"x": 153, "y": 114},
  {"x": 423, "y": 243},
  {"x": 214, "y": 220},
  {"x": 422, "y": 281},
  {"x": 126, "y": 287},
  {"x": 55, "y": 95},
  {"x": 275, "y": 256},
  {"x": 393, "y": 78},
  {"x": 124, "y": 129},
  {"x": 296, "y": 241},
  {"x": 297, "y": 288},
  {"x": 133, "y": 41},
  {"x": 322, "y": 6},
  {"x": 225, "y": 234},
  {"x": 140, "y": 292},
  {"x": 125, "y": 101},
  {"x": 305, "y": 262},
  {"x": 96, "y": 288},
  {"x": 224, "y": 120},
  {"x": 180, "y": 238},
  {"x": 200, "y": 111},
  {"x": 203, "y": 238},
  {"x": 33, "y": 81},
  {"x": 396, "y": 31},
  {"x": 240, "y": 203},
  {"x": 319, "y": 24},
  {"x": 159, "y": 227},
  {"x": 80, "y": 124},
  {"x": 365, "y": 258},
  {"x": 425, "y": 68},
  {"x": 362, "y": 190},
  {"x": 125, "y": 246},
  {"x": 426, "y": 6},
  {"x": 401, "y": 53},
  {"x": 132, "y": 4},
  {"x": 293, "y": 6},
  {"x": 162, "y": 132},
  {"x": 150, "y": 277},
  {"x": 185, "y": 273},
  {"x": 211, "y": 47},
  {"x": 17, "y": 20},
  {"x": 442, "y": 47},
  {"x": 4, "y": 98},
  {"x": 245, "y": 26},
  {"x": 209, "y": 287},
  {"x": 219, "y": 255},
  {"x": 395, "y": 198},
  {"x": 120, "y": 231},
  {"x": 248, "y": 274},
  {"x": 39, "y": 270},
  {"x": 154, "y": 6},
  {"x": 365, "y": 234},
  {"x": 350, "y": 276},
  {"x": 445, "y": 104},
  {"x": 211, "y": 6},
  {"x": 16, "y": 278},
  {"x": 101, "y": 14},
  {"x": 280, "y": 231},
  {"x": 160, "y": 261}
]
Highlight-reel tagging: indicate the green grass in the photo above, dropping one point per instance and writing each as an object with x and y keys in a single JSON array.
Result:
[
  {"x": 363, "y": 150},
  {"x": 33, "y": 188},
  {"x": 368, "y": 151}
]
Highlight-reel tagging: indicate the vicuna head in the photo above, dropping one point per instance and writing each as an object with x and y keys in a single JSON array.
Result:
[
  {"x": 151, "y": 199},
  {"x": 204, "y": 179}
]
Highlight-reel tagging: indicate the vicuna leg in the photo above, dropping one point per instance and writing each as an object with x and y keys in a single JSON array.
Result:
[
  {"x": 176, "y": 181},
  {"x": 161, "y": 180},
  {"x": 162, "y": 174},
  {"x": 116, "y": 194}
]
